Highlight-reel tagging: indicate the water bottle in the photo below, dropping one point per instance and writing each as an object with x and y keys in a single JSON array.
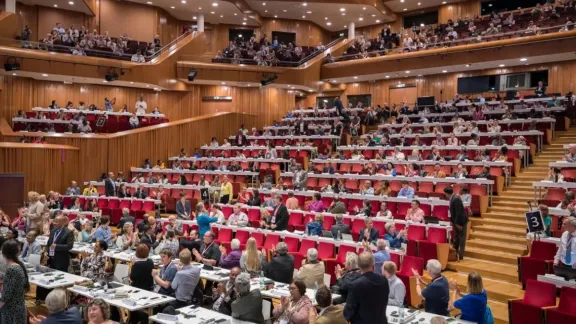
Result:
[
  {"x": 261, "y": 280},
  {"x": 306, "y": 230},
  {"x": 315, "y": 289},
  {"x": 338, "y": 236},
  {"x": 401, "y": 314}
]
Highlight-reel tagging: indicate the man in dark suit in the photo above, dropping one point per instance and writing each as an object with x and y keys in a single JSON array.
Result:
[
  {"x": 458, "y": 219},
  {"x": 125, "y": 219},
  {"x": 59, "y": 244},
  {"x": 140, "y": 193},
  {"x": 369, "y": 234},
  {"x": 278, "y": 220},
  {"x": 338, "y": 105},
  {"x": 109, "y": 185},
  {"x": 368, "y": 295},
  {"x": 149, "y": 238},
  {"x": 281, "y": 267},
  {"x": 240, "y": 139},
  {"x": 540, "y": 89},
  {"x": 328, "y": 168},
  {"x": 339, "y": 227}
]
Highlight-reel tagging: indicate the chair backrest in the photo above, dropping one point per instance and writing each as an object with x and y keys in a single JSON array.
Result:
[
  {"x": 568, "y": 301},
  {"x": 121, "y": 273},
  {"x": 242, "y": 236},
  {"x": 411, "y": 262},
  {"x": 436, "y": 235},
  {"x": 271, "y": 241},
  {"x": 416, "y": 232},
  {"x": 343, "y": 251},
  {"x": 327, "y": 278},
  {"x": 325, "y": 250},
  {"x": 540, "y": 294},
  {"x": 34, "y": 259},
  {"x": 305, "y": 245},
  {"x": 292, "y": 243},
  {"x": 543, "y": 250},
  {"x": 266, "y": 309},
  {"x": 225, "y": 235}
]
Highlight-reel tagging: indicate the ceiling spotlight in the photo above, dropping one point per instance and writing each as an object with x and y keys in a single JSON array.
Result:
[
  {"x": 387, "y": 77},
  {"x": 377, "y": 21},
  {"x": 55, "y": 6},
  {"x": 263, "y": 3},
  {"x": 329, "y": 23},
  {"x": 343, "y": 14},
  {"x": 221, "y": 16},
  {"x": 71, "y": 3},
  {"x": 360, "y": 18},
  {"x": 44, "y": 74},
  {"x": 342, "y": 9},
  {"x": 444, "y": 71},
  {"x": 235, "y": 14},
  {"x": 467, "y": 65},
  {"x": 265, "y": 10},
  {"x": 184, "y": 1},
  {"x": 355, "y": 77},
  {"x": 194, "y": 17},
  {"x": 275, "y": 16},
  {"x": 285, "y": 10},
  {"x": 304, "y": 4},
  {"x": 405, "y": 9},
  {"x": 443, "y": 2},
  {"x": 523, "y": 59},
  {"x": 325, "y": 18},
  {"x": 501, "y": 65},
  {"x": 407, "y": 72},
  {"x": 419, "y": 3},
  {"x": 308, "y": 12},
  {"x": 212, "y": 12},
  {"x": 402, "y": 1},
  {"x": 172, "y": 7},
  {"x": 149, "y": 2},
  {"x": 244, "y": 18},
  {"x": 214, "y": 4},
  {"x": 199, "y": 8},
  {"x": 303, "y": 17},
  {"x": 363, "y": 8},
  {"x": 373, "y": 15},
  {"x": 244, "y": 23},
  {"x": 345, "y": 26}
]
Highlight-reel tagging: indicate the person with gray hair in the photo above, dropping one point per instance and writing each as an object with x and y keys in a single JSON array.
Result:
[
  {"x": 344, "y": 277},
  {"x": 367, "y": 295},
  {"x": 56, "y": 305},
  {"x": 232, "y": 259},
  {"x": 382, "y": 255},
  {"x": 337, "y": 207},
  {"x": 248, "y": 304},
  {"x": 565, "y": 258},
  {"x": 312, "y": 270},
  {"x": 126, "y": 218},
  {"x": 339, "y": 228},
  {"x": 203, "y": 219},
  {"x": 437, "y": 292},
  {"x": 438, "y": 320},
  {"x": 281, "y": 267}
]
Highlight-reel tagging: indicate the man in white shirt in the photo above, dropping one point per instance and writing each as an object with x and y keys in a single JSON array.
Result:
[
  {"x": 367, "y": 190},
  {"x": 237, "y": 217},
  {"x": 141, "y": 106},
  {"x": 59, "y": 29},
  {"x": 134, "y": 122},
  {"x": 565, "y": 259}
]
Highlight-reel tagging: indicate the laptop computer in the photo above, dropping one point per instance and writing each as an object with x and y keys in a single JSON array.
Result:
[
  {"x": 327, "y": 234},
  {"x": 347, "y": 237},
  {"x": 431, "y": 220}
]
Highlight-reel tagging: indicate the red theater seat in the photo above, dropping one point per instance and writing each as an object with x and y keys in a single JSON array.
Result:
[
  {"x": 529, "y": 309},
  {"x": 565, "y": 313},
  {"x": 539, "y": 262},
  {"x": 405, "y": 273}
]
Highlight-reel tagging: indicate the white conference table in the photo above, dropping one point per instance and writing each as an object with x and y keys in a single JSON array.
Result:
[
  {"x": 96, "y": 112},
  {"x": 137, "y": 299},
  {"x": 230, "y": 159},
  {"x": 550, "y": 120},
  {"x": 258, "y": 147},
  {"x": 491, "y": 112},
  {"x": 204, "y": 172},
  {"x": 55, "y": 279},
  {"x": 562, "y": 164},
  {"x": 295, "y": 118},
  {"x": 44, "y": 121},
  {"x": 196, "y": 315},
  {"x": 540, "y": 186},
  {"x": 559, "y": 282}
]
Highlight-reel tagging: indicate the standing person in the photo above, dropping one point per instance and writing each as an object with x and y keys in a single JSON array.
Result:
[
  {"x": 281, "y": 266},
  {"x": 15, "y": 285},
  {"x": 367, "y": 295},
  {"x": 397, "y": 288},
  {"x": 109, "y": 185},
  {"x": 59, "y": 244},
  {"x": 34, "y": 214},
  {"x": 437, "y": 292},
  {"x": 141, "y": 273},
  {"x": 141, "y": 106},
  {"x": 278, "y": 219},
  {"x": 565, "y": 258},
  {"x": 473, "y": 305},
  {"x": 226, "y": 191},
  {"x": 459, "y": 219},
  {"x": 248, "y": 303}
]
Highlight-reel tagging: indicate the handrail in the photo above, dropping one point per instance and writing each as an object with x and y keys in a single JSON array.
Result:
[
  {"x": 174, "y": 41},
  {"x": 453, "y": 43},
  {"x": 282, "y": 63}
]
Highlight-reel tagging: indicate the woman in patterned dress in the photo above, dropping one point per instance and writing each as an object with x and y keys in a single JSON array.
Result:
[{"x": 16, "y": 284}]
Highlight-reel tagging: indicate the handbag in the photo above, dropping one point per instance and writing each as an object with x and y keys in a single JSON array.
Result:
[{"x": 488, "y": 318}]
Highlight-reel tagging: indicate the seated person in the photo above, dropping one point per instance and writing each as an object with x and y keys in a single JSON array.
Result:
[
  {"x": 369, "y": 234},
  {"x": 406, "y": 191},
  {"x": 312, "y": 270},
  {"x": 395, "y": 239},
  {"x": 238, "y": 217}
]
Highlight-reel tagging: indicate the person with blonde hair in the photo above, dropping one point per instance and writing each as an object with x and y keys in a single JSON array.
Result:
[
  {"x": 397, "y": 289},
  {"x": 128, "y": 240},
  {"x": 251, "y": 259},
  {"x": 474, "y": 304},
  {"x": 35, "y": 209}
]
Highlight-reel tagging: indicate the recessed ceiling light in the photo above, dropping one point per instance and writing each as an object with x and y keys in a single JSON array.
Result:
[
  {"x": 199, "y": 8},
  {"x": 342, "y": 9},
  {"x": 523, "y": 59},
  {"x": 402, "y": 1},
  {"x": 387, "y": 77},
  {"x": 373, "y": 15},
  {"x": 419, "y": 3},
  {"x": 443, "y": 2},
  {"x": 377, "y": 21},
  {"x": 444, "y": 71},
  {"x": 194, "y": 17},
  {"x": 407, "y": 72},
  {"x": 360, "y": 18},
  {"x": 329, "y": 23},
  {"x": 363, "y": 8},
  {"x": 71, "y": 3},
  {"x": 147, "y": 86},
  {"x": 263, "y": 3},
  {"x": 212, "y": 12},
  {"x": 419, "y": 75},
  {"x": 149, "y": 2},
  {"x": 303, "y": 17},
  {"x": 285, "y": 10},
  {"x": 131, "y": 82},
  {"x": 184, "y": 1},
  {"x": 44, "y": 75},
  {"x": 104, "y": 81},
  {"x": 223, "y": 83},
  {"x": 308, "y": 12},
  {"x": 244, "y": 18},
  {"x": 214, "y": 4},
  {"x": 244, "y": 23},
  {"x": 405, "y": 9},
  {"x": 275, "y": 16},
  {"x": 345, "y": 26},
  {"x": 501, "y": 65},
  {"x": 325, "y": 18},
  {"x": 221, "y": 16},
  {"x": 333, "y": 81},
  {"x": 172, "y": 7},
  {"x": 14, "y": 73},
  {"x": 55, "y": 6},
  {"x": 343, "y": 14},
  {"x": 235, "y": 14},
  {"x": 304, "y": 4},
  {"x": 467, "y": 65}
]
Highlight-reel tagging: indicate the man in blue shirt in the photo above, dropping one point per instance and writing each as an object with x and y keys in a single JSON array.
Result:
[
  {"x": 406, "y": 191},
  {"x": 165, "y": 276},
  {"x": 103, "y": 233},
  {"x": 185, "y": 281},
  {"x": 56, "y": 304},
  {"x": 380, "y": 256},
  {"x": 437, "y": 292},
  {"x": 73, "y": 190}
]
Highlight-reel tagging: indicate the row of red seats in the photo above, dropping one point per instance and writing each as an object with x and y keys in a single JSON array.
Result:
[
  {"x": 555, "y": 195},
  {"x": 244, "y": 165},
  {"x": 484, "y": 140},
  {"x": 539, "y": 305},
  {"x": 483, "y": 128},
  {"x": 400, "y": 168},
  {"x": 370, "y": 154},
  {"x": 193, "y": 178},
  {"x": 254, "y": 153},
  {"x": 113, "y": 206}
]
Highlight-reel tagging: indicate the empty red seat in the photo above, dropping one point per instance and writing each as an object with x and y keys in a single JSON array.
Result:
[
  {"x": 242, "y": 236},
  {"x": 292, "y": 243},
  {"x": 271, "y": 241},
  {"x": 529, "y": 309},
  {"x": 325, "y": 250},
  {"x": 539, "y": 262},
  {"x": 405, "y": 273},
  {"x": 565, "y": 313},
  {"x": 416, "y": 232},
  {"x": 295, "y": 220},
  {"x": 437, "y": 235},
  {"x": 224, "y": 236}
]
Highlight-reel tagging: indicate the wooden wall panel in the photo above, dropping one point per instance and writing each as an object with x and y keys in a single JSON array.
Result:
[
  {"x": 307, "y": 33},
  {"x": 28, "y": 15},
  {"x": 137, "y": 20},
  {"x": 48, "y": 17},
  {"x": 44, "y": 169},
  {"x": 117, "y": 152},
  {"x": 168, "y": 27},
  {"x": 457, "y": 10}
]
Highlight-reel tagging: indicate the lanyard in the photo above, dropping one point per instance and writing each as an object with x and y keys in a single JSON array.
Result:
[
  {"x": 56, "y": 236},
  {"x": 206, "y": 248}
]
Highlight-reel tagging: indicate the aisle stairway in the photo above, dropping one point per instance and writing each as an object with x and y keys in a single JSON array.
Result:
[{"x": 499, "y": 236}]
